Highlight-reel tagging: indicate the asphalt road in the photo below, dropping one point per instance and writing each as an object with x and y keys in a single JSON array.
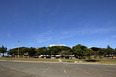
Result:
[{"x": 17, "y": 69}]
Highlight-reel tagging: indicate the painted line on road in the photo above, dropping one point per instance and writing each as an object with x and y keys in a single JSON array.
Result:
[
  {"x": 45, "y": 70},
  {"x": 87, "y": 72},
  {"x": 64, "y": 70}
]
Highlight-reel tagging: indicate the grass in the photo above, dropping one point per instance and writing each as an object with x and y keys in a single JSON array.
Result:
[
  {"x": 108, "y": 61},
  {"x": 30, "y": 59},
  {"x": 100, "y": 61}
]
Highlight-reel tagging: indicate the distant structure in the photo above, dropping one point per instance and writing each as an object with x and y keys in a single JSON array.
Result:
[
  {"x": 37, "y": 47},
  {"x": 57, "y": 45}
]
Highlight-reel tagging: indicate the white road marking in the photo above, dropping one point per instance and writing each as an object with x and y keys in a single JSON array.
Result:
[
  {"x": 45, "y": 70},
  {"x": 87, "y": 72},
  {"x": 65, "y": 71}
]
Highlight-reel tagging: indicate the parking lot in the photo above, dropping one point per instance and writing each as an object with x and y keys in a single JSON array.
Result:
[{"x": 25, "y": 69}]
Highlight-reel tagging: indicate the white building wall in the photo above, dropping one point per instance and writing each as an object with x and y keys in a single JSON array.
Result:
[{"x": 57, "y": 45}]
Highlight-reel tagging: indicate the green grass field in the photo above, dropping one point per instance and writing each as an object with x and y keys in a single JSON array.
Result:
[
  {"x": 108, "y": 61},
  {"x": 30, "y": 59},
  {"x": 100, "y": 61}
]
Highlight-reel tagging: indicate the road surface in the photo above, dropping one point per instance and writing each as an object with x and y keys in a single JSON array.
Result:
[{"x": 22, "y": 69}]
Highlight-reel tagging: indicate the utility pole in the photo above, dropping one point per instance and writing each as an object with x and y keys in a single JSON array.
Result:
[{"x": 18, "y": 49}]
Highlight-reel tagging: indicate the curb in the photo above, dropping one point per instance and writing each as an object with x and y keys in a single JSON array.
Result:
[{"x": 51, "y": 62}]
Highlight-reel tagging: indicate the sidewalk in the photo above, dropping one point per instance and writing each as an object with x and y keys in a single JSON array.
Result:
[{"x": 60, "y": 60}]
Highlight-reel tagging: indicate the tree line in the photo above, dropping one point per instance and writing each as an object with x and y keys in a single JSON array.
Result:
[{"x": 79, "y": 51}]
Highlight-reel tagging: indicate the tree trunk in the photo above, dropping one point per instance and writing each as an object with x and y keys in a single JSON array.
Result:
[
  {"x": 89, "y": 57},
  {"x": 100, "y": 57},
  {"x": 95, "y": 56},
  {"x": 112, "y": 56},
  {"x": 3, "y": 54}
]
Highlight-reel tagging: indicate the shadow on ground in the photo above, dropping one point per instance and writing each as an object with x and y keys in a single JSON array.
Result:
[{"x": 92, "y": 60}]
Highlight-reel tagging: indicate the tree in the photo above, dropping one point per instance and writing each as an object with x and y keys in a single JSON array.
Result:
[
  {"x": 31, "y": 51},
  {"x": 88, "y": 53},
  {"x": 79, "y": 51},
  {"x": 115, "y": 52},
  {"x": 64, "y": 48},
  {"x": 95, "y": 51},
  {"x": 14, "y": 51},
  {"x": 3, "y": 50},
  {"x": 109, "y": 51},
  {"x": 54, "y": 50},
  {"x": 25, "y": 51},
  {"x": 65, "y": 53},
  {"x": 43, "y": 51},
  {"x": 101, "y": 52}
]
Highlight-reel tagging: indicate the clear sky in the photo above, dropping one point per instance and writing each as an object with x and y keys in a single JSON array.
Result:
[{"x": 38, "y": 23}]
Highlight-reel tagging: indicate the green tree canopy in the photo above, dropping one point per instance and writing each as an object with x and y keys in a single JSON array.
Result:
[
  {"x": 115, "y": 51},
  {"x": 31, "y": 51},
  {"x": 79, "y": 50},
  {"x": 65, "y": 53},
  {"x": 109, "y": 50},
  {"x": 88, "y": 52},
  {"x": 14, "y": 51},
  {"x": 43, "y": 51},
  {"x": 3, "y": 50},
  {"x": 55, "y": 50}
]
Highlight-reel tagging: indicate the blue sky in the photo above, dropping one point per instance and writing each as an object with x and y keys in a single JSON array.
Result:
[{"x": 38, "y": 23}]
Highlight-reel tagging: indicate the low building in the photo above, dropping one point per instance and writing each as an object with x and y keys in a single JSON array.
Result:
[{"x": 57, "y": 45}]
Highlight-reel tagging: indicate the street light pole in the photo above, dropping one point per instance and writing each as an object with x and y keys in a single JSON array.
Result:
[{"x": 18, "y": 49}]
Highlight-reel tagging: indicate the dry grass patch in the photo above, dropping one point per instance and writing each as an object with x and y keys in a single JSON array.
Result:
[{"x": 30, "y": 59}]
